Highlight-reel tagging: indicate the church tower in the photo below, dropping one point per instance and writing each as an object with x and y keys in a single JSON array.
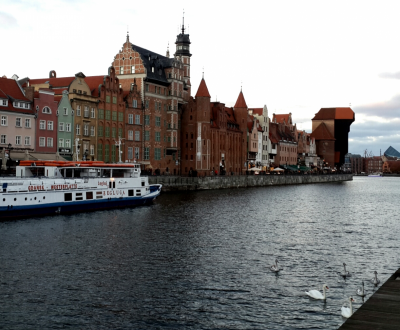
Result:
[
  {"x": 183, "y": 53},
  {"x": 241, "y": 114}
]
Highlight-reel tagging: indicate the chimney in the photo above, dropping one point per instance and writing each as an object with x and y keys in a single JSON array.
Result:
[{"x": 29, "y": 92}]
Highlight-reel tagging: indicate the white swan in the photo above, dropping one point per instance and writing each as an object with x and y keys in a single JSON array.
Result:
[
  {"x": 315, "y": 294},
  {"x": 361, "y": 292},
  {"x": 275, "y": 268},
  {"x": 345, "y": 273},
  {"x": 375, "y": 281},
  {"x": 346, "y": 311}
]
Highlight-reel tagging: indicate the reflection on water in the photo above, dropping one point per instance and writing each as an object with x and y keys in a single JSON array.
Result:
[{"x": 202, "y": 260}]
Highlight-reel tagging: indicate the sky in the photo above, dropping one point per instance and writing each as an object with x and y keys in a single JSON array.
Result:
[{"x": 293, "y": 56}]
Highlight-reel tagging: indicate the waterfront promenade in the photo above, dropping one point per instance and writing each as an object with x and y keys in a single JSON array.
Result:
[
  {"x": 381, "y": 310},
  {"x": 176, "y": 183}
]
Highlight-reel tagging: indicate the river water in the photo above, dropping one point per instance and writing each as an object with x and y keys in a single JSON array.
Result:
[{"x": 200, "y": 260}]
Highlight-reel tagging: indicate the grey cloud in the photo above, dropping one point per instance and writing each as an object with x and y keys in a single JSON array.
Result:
[
  {"x": 390, "y": 75},
  {"x": 374, "y": 129},
  {"x": 389, "y": 109},
  {"x": 7, "y": 21}
]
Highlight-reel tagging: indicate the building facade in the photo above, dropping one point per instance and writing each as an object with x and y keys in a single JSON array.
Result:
[
  {"x": 46, "y": 122},
  {"x": 65, "y": 131}
]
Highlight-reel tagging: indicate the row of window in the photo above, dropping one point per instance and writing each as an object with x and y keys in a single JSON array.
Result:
[
  {"x": 106, "y": 132},
  {"x": 42, "y": 125},
  {"x": 132, "y": 69},
  {"x": 18, "y": 140},
  {"x": 111, "y": 115},
  {"x": 86, "y": 128},
  {"x": 130, "y": 119},
  {"x": 18, "y": 122},
  {"x": 42, "y": 142},
  {"x": 86, "y": 112}
]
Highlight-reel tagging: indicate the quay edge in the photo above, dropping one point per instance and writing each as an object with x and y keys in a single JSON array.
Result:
[{"x": 177, "y": 183}]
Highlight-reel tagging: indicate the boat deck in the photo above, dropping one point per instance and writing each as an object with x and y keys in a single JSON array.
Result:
[{"x": 381, "y": 310}]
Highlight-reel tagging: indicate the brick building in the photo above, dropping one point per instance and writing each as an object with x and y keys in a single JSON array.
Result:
[
  {"x": 164, "y": 86},
  {"x": 211, "y": 136},
  {"x": 283, "y": 135},
  {"x": 330, "y": 128},
  {"x": 110, "y": 116},
  {"x": 46, "y": 121},
  {"x": 133, "y": 124}
]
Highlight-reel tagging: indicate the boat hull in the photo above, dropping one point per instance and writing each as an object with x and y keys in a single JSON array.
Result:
[{"x": 25, "y": 211}]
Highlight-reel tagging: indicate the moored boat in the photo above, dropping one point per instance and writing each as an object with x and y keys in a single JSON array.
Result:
[{"x": 53, "y": 187}]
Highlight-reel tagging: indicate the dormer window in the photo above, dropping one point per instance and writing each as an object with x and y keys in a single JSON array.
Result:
[{"x": 4, "y": 103}]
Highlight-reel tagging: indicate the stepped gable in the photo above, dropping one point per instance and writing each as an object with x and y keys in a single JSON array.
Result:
[
  {"x": 334, "y": 113},
  {"x": 322, "y": 133},
  {"x": 203, "y": 90},
  {"x": 392, "y": 152},
  {"x": 240, "y": 103}
]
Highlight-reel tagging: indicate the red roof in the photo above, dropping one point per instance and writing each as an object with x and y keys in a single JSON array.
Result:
[
  {"x": 9, "y": 88},
  {"x": 282, "y": 118},
  {"x": 240, "y": 103},
  {"x": 54, "y": 82},
  {"x": 257, "y": 111},
  {"x": 93, "y": 83},
  {"x": 322, "y": 133},
  {"x": 203, "y": 90},
  {"x": 334, "y": 113}
]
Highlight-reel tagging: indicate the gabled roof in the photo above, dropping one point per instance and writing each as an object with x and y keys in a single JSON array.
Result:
[
  {"x": 93, "y": 82},
  {"x": 334, "y": 113},
  {"x": 282, "y": 118},
  {"x": 322, "y": 133},
  {"x": 158, "y": 62},
  {"x": 10, "y": 89},
  {"x": 257, "y": 111},
  {"x": 53, "y": 82},
  {"x": 203, "y": 90},
  {"x": 240, "y": 103}
]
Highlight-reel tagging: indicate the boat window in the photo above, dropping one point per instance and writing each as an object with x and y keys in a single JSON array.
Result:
[
  {"x": 138, "y": 192},
  {"x": 142, "y": 183},
  {"x": 130, "y": 192},
  {"x": 4, "y": 199},
  {"x": 44, "y": 197},
  {"x": 89, "y": 195},
  {"x": 99, "y": 194},
  {"x": 78, "y": 197},
  {"x": 68, "y": 197},
  {"x": 26, "y": 198},
  {"x": 15, "y": 199},
  {"x": 35, "y": 198}
]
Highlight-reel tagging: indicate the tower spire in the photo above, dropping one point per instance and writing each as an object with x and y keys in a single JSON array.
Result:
[
  {"x": 168, "y": 50},
  {"x": 127, "y": 34},
  {"x": 183, "y": 22},
  {"x": 203, "y": 72}
]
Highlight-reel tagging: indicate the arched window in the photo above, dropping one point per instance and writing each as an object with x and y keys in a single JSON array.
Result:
[{"x": 46, "y": 110}]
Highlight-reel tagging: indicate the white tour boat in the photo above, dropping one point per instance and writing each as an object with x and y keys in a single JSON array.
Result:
[{"x": 54, "y": 187}]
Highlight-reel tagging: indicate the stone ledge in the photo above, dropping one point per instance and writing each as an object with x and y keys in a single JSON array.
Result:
[{"x": 177, "y": 183}]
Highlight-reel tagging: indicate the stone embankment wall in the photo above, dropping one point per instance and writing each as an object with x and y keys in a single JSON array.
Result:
[{"x": 175, "y": 183}]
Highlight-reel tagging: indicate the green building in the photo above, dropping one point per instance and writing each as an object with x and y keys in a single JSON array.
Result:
[{"x": 65, "y": 130}]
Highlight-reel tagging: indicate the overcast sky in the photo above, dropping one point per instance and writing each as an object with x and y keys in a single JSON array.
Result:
[{"x": 293, "y": 56}]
